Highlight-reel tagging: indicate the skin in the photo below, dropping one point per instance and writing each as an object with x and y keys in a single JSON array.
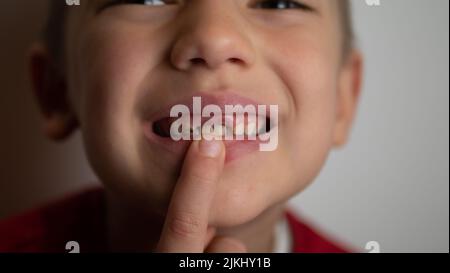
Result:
[{"x": 126, "y": 60}]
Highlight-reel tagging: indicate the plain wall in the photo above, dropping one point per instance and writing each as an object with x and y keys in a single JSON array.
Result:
[
  {"x": 32, "y": 169},
  {"x": 390, "y": 184}
]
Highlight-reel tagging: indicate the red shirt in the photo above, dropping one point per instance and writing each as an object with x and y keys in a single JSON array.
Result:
[{"x": 81, "y": 218}]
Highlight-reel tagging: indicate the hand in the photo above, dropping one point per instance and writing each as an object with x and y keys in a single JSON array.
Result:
[{"x": 186, "y": 225}]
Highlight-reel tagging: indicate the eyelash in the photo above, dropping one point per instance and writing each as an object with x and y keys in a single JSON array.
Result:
[
  {"x": 285, "y": 4},
  {"x": 264, "y": 4}
]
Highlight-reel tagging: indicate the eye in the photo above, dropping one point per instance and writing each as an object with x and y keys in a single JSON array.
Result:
[
  {"x": 151, "y": 2},
  {"x": 139, "y": 2},
  {"x": 281, "y": 4}
]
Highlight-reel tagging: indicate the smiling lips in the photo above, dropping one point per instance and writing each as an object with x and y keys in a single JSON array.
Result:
[
  {"x": 230, "y": 128},
  {"x": 240, "y": 132}
]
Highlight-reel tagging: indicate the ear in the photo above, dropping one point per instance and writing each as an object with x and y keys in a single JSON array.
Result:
[
  {"x": 348, "y": 93},
  {"x": 49, "y": 86}
]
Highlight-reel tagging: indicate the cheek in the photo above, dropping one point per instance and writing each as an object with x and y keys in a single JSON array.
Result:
[
  {"x": 308, "y": 69},
  {"x": 307, "y": 61},
  {"x": 313, "y": 89},
  {"x": 110, "y": 73},
  {"x": 107, "y": 74},
  {"x": 108, "y": 90},
  {"x": 314, "y": 111},
  {"x": 112, "y": 60}
]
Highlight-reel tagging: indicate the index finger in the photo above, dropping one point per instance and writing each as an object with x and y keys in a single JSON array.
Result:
[{"x": 186, "y": 223}]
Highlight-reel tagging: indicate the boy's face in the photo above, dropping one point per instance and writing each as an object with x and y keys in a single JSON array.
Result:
[{"x": 126, "y": 62}]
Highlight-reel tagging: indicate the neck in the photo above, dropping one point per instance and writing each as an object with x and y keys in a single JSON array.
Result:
[{"x": 131, "y": 229}]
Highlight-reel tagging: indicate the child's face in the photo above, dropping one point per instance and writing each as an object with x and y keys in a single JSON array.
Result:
[{"x": 127, "y": 62}]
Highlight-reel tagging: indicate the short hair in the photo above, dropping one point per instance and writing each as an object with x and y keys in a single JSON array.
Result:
[
  {"x": 345, "y": 12},
  {"x": 53, "y": 34}
]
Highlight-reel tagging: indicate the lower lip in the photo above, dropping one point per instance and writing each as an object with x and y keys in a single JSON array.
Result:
[{"x": 235, "y": 149}]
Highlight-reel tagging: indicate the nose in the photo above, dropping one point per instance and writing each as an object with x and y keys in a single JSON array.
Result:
[{"x": 211, "y": 36}]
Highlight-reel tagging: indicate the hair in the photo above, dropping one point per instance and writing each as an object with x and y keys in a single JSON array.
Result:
[
  {"x": 53, "y": 34},
  {"x": 345, "y": 13}
]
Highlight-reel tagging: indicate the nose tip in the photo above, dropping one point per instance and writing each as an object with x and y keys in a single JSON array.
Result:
[
  {"x": 211, "y": 38},
  {"x": 210, "y": 51}
]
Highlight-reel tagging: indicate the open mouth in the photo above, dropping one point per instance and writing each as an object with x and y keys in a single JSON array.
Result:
[
  {"x": 245, "y": 126},
  {"x": 228, "y": 126}
]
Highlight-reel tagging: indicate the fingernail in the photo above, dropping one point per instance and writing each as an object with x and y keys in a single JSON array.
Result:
[{"x": 210, "y": 148}]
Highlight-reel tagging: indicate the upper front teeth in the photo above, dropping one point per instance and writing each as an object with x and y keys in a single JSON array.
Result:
[
  {"x": 251, "y": 129},
  {"x": 219, "y": 131},
  {"x": 196, "y": 131},
  {"x": 239, "y": 130}
]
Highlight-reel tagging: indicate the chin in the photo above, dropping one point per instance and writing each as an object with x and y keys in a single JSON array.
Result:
[{"x": 233, "y": 208}]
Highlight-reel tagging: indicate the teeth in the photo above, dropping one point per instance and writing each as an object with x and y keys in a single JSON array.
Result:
[
  {"x": 218, "y": 131},
  {"x": 239, "y": 130},
  {"x": 214, "y": 132},
  {"x": 208, "y": 129},
  {"x": 196, "y": 131},
  {"x": 251, "y": 129},
  {"x": 261, "y": 125},
  {"x": 225, "y": 130}
]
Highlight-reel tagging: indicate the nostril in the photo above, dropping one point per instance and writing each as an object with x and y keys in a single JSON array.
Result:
[
  {"x": 235, "y": 60},
  {"x": 197, "y": 61}
]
